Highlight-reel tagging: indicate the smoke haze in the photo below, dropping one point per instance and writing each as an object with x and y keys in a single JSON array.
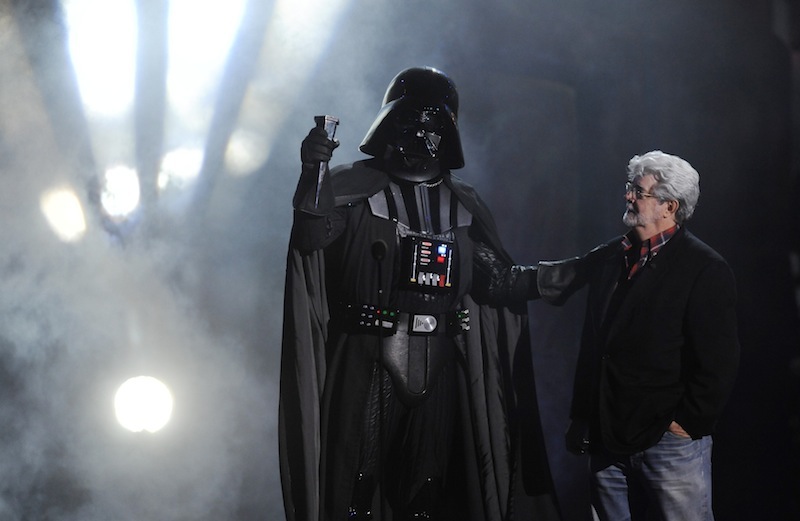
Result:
[{"x": 554, "y": 100}]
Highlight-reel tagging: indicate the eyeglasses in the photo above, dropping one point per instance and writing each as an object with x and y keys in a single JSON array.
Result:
[{"x": 637, "y": 190}]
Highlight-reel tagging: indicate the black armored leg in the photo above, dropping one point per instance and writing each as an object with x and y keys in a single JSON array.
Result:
[
  {"x": 426, "y": 505},
  {"x": 361, "y": 504}
]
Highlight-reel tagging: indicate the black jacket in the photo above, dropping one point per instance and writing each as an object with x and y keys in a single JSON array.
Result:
[{"x": 669, "y": 352}]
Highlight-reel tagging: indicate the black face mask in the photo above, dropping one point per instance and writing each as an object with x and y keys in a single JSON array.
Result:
[{"x": 418, "y": 133}]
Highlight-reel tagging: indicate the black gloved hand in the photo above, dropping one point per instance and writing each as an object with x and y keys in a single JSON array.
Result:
[{"x": 316, "y": 147}]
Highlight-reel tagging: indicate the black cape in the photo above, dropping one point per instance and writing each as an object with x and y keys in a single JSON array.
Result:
[{"x": 498, "y": 397}]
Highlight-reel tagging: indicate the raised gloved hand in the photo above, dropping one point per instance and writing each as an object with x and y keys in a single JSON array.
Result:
[
  {"x": 316, "y": 147},
  {"x": 314, "y": 195}
]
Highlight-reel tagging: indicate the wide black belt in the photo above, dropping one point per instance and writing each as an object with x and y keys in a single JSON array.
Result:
[
  {"x": 366, "y": 318},
  {"x": 415, "y": 346}
]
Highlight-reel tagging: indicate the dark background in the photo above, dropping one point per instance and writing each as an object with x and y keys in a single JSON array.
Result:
[{"x": 555, "y": 98}]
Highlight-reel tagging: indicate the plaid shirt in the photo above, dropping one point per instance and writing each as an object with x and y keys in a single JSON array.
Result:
[{"x": 647, "y": 249}]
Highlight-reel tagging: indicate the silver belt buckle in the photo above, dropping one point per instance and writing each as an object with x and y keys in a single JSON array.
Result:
[{"x": 423, "y": 324}]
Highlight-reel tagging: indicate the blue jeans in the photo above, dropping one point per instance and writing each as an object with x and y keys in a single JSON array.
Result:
[{"x": 669, "y": 481}]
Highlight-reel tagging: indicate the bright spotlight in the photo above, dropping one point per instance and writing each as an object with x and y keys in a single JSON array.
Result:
[
  {"x": 200, "y": 37},
  {"x": 120, "y": 193},
  {"x": 180, "y": 167},
  {"x": 64, "y": 213},
  {"x": 143, "y": 403},
  {"x": 102, "y": 44}
]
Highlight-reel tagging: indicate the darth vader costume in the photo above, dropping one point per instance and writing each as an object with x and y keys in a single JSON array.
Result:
[{"x": 406, "y": 381}]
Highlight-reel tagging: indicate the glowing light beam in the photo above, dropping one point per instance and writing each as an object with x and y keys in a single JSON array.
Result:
[
  {"x": 201, "y": 33},
  {"x": 298, "y": 35},
  {"x": 102, "y": 44}
]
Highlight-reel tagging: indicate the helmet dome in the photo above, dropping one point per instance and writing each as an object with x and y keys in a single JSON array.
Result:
[{"x": 429, "y": 98}]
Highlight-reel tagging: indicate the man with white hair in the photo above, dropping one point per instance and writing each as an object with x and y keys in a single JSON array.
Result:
[{"x": 659, "y": 351}]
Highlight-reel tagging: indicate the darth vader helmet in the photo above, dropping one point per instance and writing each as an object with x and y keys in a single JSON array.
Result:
[{"x": 418, "y": 118}]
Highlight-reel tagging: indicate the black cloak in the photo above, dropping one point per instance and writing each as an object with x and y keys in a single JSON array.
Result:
[{"x": 499, "y": 427}]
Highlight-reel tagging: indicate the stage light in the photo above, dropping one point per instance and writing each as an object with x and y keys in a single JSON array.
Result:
[
  {"x": 102, "y": 44},
  {"x": 143, "y": 403},
  {"x": 120, "y": 192},
  {"x": 64, "y": 213},
  {"x": 179, "y": 168},
  {"x": 200, "y": 37}
]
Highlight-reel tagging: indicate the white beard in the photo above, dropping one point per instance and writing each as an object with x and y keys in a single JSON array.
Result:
[{"x": 631, "y": 218}]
